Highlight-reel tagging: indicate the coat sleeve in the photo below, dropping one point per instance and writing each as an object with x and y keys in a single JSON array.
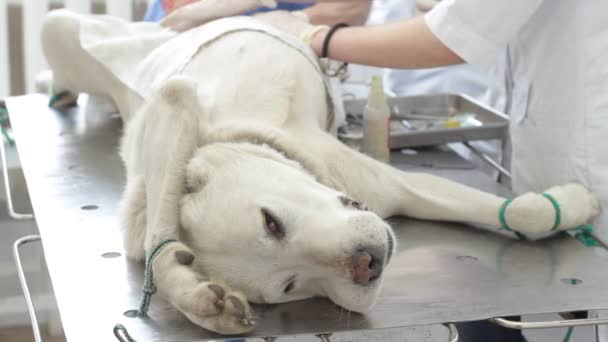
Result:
[{"x": 479, "y": 30}]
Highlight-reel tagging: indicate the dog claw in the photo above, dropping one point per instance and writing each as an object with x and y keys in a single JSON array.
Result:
[
  {"x": 247, "y": 322},
  {"x": 218, "y": 290},
  {"x": 238, "y": 306}
]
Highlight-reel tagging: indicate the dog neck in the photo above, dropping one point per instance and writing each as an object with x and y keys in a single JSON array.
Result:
[{"x": 276, "y": 139}]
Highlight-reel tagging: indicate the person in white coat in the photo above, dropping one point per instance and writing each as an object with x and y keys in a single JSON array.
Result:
[
  {"x": 554, "y": 56},
  {"x": 455, "y": 79},
  {"x": 556, "y": 76}
]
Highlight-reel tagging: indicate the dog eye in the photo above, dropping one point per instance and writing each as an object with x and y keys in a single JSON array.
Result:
[
  {"x": 350, "y": 203},
  {"x": 272, "y": 225}
]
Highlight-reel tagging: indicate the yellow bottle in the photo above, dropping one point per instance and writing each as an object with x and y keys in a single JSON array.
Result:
[{"x": 376, "y": 118}]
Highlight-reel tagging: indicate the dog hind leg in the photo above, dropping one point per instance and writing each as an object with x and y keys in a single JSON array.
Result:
[{"x": 74, "y": 69}]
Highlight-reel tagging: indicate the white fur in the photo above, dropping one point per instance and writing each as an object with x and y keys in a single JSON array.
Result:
[{"x": 241, "y": 130}]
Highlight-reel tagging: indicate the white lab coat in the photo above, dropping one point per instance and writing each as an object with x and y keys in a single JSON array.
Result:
[
  {"x": 453, "y": 79},
  {"x": 456, "y": 79},
  {"x": 557, "y": 75},
  {"x": 557, "y": 83}
]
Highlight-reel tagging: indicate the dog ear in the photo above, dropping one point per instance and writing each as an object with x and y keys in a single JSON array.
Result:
[
  {"x": 170, "y": 138},
  {"x": 179, "y": 94}
]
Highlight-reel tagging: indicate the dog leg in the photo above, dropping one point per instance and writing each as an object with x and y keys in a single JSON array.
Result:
[
  {"x": 74, "y": 69},
  {"x": 133, "y": 217},
  {"x": 389, "y": 192},
  {"x": 169, "y": 141}
]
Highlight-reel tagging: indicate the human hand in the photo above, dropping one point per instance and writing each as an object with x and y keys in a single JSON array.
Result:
[
  {"x": 423, "y": 6},
  {"x": 172, "y": 5},
  {"x": 203, "y": 11}
]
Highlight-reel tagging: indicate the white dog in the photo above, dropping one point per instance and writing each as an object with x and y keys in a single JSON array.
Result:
[{"x": 234, "y": 160}]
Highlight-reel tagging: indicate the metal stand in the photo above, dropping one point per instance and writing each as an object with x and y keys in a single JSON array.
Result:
[
  {"x": 324, "y": 337},
  {"x": 453, "y": 337},
  {"x": 26, "y": 291},
  {"x": 549, "y": 324},
  {"x": 488, "y": 159},
  {"x": 7, "y": 189}
]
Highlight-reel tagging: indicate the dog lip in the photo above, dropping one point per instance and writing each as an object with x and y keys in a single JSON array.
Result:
[{"x": 391, "y": 245}]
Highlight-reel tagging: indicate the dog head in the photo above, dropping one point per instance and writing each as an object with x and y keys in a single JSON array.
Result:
[{"x": 267, "y": 226}]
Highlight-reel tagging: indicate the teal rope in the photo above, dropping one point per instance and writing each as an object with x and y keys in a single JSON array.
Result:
[
  {"x": 122, "y": 334},
  {"x": 4, "y": 119},
  {"x": 149, "y": 288},
  {"x": 505, "y": 226},
  {"x": 501, "y": 215},
  {"x": 55, "y": 97},
  {"x": 558, "y": 211},
  {"x": 583, "y": 233},
  {"x": 568, "y": 335},
  {"x": 503, "y": 220}
]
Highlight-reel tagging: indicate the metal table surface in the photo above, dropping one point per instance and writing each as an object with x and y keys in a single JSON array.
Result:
[{"x": 441, "y": 273}]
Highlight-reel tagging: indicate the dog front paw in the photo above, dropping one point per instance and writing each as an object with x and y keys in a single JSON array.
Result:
[
  {"x": 217, "y": 308},
  {"x": 578, "y": 205},
  {"x": 533, "y": 213},
  {"x": 209, "y": 304}
]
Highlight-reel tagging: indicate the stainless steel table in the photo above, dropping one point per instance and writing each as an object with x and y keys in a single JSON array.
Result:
[{"x": 441, "y": 273}]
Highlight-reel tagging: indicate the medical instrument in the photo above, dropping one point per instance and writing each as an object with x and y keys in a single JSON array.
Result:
[
  {"x": 425, "y": 120},
  {"x": 376, "y": 117}
]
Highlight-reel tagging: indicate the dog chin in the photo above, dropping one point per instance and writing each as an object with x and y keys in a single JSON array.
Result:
[{"x": 361, "y": 299}]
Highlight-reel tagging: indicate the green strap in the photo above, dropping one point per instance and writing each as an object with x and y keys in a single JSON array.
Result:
[
  {"x": 568, "y": 335},
  {"x": 503, "y": 220},
  {"x": 149, "y": 288},
  {"x": 558, "y": 211},
  {"x": 56, "y": 97},
  {"x": 501, "y": 215},
  {"x": 582, "y": 233},
  {"x": 4, "y": 120}
]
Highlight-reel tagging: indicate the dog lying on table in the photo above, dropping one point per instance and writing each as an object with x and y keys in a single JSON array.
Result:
[{"x": 227, "y": 150}]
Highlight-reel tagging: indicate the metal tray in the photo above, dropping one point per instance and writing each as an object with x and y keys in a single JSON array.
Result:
[{"x": 487, "y": 123}]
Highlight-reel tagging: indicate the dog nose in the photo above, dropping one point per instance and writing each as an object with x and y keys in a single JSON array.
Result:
[{"x": 366, "y": 267}]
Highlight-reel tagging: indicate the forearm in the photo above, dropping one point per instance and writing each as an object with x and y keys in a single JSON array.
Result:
[
  {"x": 330, "y": 13},
  {"x": 405, "y": 45}
]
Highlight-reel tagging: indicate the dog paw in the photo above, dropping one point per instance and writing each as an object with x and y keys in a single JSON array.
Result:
[
  {"x": 209, "y": 304},
  {"x": 216, "y": 307},
  {"x": 533, "y": 213},
  {"x": 578, "y": 205}
]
